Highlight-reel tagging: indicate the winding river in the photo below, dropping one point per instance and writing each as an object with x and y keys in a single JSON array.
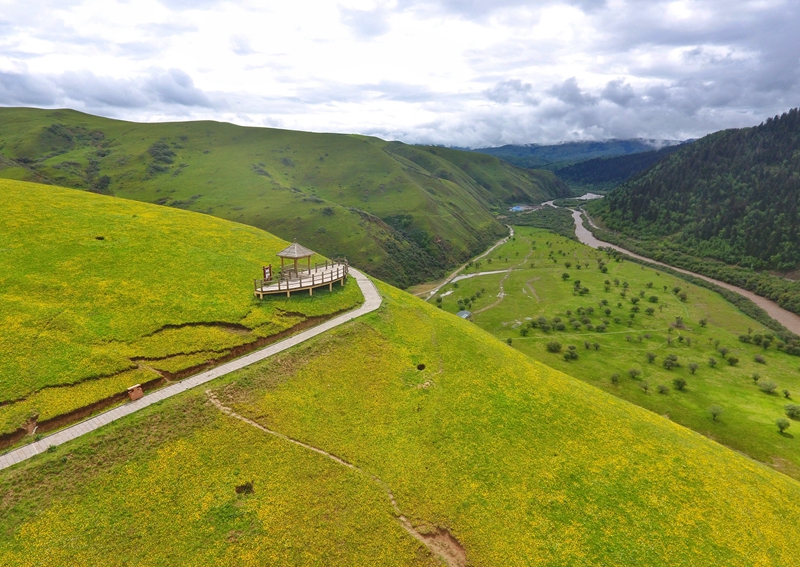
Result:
[{"x": 786, "y": 318}]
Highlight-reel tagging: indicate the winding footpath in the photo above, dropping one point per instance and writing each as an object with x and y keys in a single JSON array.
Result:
[
  {"x": 440, "y": 542},
  {"x": 786, "y": 318},
  {"x": 372, "y": 301},
  {"x": 452, "y": 277}
]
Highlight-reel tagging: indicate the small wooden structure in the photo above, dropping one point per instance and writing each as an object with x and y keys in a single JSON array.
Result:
[
  {"x": 135, "y": 392},
  {"x": 294, "y": 278}
]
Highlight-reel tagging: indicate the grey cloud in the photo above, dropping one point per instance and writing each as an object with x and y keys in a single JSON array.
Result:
[
  {"x": 173, "y": 89},
  {"x": 18, "y": 88},
  {"x": 618, "y": 92},
  {"x": 365, "y": 24},
  {"x": 570, "y": 93},
  {"x": 240, "y": 46},
  {"x": 177, "y": 87},
  {"x": 512, "y": 90}
]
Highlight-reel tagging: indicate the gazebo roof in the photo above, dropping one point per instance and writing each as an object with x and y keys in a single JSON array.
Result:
[{"x": 295, "y": 250}]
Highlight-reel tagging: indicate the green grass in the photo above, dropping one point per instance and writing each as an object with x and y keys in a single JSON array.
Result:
[
  {"x": 98, "y": 291},
  {"x": 402, "y": 213},
  {"x": 748, "y": 421},
  {"x": 521, "y": 463}
]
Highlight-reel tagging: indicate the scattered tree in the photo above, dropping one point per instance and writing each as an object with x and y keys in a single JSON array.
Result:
[
  {"x": 715, "y": 411},
  {"x": 693, "y": 366},
  {"x": 783, "y": 424},
  {"x": 645, "y": 386},
  {"x": 712, "y": 362},
  {"x": 792, "y": 410},
  {"x": 554, "y": 346},
  {"x": 703, "y": 322},
  {"x": 663, "y": 389},
  {"x": 679, "y": 383},
  {"x": 759, "y": 359},
  {"x": 733, "y": 361},
  {"x": 767, "y": 386},
  {"x": 634, "y": 373},
  {"x": 787, "y": 394},
  {"x": 615, "y": 379},
  {"x": 565, "y": 276}
]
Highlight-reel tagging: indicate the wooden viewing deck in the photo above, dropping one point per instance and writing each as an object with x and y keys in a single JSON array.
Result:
[{"x": 289, "y": 280}]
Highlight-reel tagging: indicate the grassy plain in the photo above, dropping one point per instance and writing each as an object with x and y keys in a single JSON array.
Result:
[
  {"x": 521, "y": 463},
  {"x": 403, "y": 213},
  {"x": 535, "y": 288},
  {"x": 100, "y": 293}
]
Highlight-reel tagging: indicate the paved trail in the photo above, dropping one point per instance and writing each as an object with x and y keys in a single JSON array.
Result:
[{"x": 372, "y": 301}]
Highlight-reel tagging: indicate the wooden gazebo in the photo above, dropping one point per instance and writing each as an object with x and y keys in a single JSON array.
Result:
[
  {"x": 294, "y": 252},
  {"x": 295, "y": 278}
]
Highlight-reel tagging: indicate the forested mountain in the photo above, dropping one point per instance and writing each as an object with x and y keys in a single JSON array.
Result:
[
  {"x": 604, "y": 173},
  {"x": 403, "y": 213},
  {"x": 732, "y": 196},
  {"x": 555, "y": 156}
]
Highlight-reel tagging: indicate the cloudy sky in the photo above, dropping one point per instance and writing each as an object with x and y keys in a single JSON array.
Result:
[{"x": 465, "y": 73}]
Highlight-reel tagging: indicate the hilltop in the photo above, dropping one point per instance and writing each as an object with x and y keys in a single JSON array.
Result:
[
  {"x": 403, "y": 213},
  {"x": 100, "y": 293}
]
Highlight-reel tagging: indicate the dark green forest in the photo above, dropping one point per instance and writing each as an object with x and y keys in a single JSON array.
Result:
[
  {"x": 731, "y": 196},
  {"x": 605, "y": 173}
]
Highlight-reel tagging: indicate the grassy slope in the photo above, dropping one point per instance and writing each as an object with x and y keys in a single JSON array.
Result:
[
  {"x": 73, "y": 307},
  {"x": 521, "y": 463},
  {"x": 328, "y": 190},
  {"x": 748, "y": 421}
]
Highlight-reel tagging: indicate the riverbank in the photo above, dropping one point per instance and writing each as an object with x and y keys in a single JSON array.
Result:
[{"x": 786, "y": 318}]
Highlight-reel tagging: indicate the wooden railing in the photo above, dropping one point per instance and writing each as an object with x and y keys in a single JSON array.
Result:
[{"x": 321, "y": 274}]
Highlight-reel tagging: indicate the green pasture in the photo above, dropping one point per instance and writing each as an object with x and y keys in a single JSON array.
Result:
[
  {"x": 535, "y": 288},
  {"x": 403, "y": 213},
  {"x": 521, "y": 463},
  {"x": 99, "y": 293}
]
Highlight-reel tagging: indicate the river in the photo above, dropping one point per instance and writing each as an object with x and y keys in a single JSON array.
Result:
[{"x": 786, "y": 318}]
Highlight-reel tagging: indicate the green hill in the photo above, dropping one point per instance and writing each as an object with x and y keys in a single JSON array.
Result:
[
  {"x": 518, "y": 463},
  {"x": 402, "y": 213},
  {"x": 99, "y": 293}
]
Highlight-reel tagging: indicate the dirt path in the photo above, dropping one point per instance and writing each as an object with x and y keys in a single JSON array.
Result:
[
  {"x": 533, "y": 291},
  {"x": 502, "y": 294},
  {"x": 440, "y": 543},
  {"x": 428, "y": 294},
  {"x": 786, "y": 318}
]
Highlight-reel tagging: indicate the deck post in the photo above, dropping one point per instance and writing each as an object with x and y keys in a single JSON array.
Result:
[
  {"x": 288, "y": 293},
  {"x": 330, "y": 286}
]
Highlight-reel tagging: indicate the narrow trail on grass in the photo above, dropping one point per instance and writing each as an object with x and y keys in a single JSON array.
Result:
[
  {"x": 502, "y": 294},
  {"x": 786, "y": 318},
  {"x": 440, "y": 542},
  {"x": 428, "y": 294},
  {"x": 530, "y": 287}
]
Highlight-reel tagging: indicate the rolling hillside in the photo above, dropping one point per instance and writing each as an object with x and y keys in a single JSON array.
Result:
[
  {"x": 99, "y": 293},
  {"x": 402, "y": 213},
  {"x": 508, "y": 461}
]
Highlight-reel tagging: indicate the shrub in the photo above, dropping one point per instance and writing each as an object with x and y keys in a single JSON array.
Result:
[
  {"x": 679, "y": 383},
  {"x": 670, "y": 362},
  {"x": 663, "y": 389},
  {"x": 783, "y": 424},
  {"x": 792, "y": 410},
  {"x": 554, "y": 346},
  {"x": 653, "y": 299},
  {"x": 645, "y": 386},
  {"x": 787, "y": 395},
  {"x": 715, "y": 411},
  {"x": 767, "y": 386},
  {"x": 523, "y": 331},
  {"x": 560, "y": 326},
  {"x": 756, "y": 377},
  {"x": 759, "y": 359},
  {"x": 565, "y": 276},
  {"x": 615, "y": 379},
  {"x": 597, "y": 347},
  {"x": 724, "y": 351},
  {"x": 712, "y": 362},
  {"x": 508, "y": 340},
  {"x": 634, "y": 373},
  {"x": 703, "y": 322},
  {"x": 649, "y": 310},
  {"x": 693, "y": 366},
  {"x": 651, "y": 356},
  {"x": 733, "y": 361}
]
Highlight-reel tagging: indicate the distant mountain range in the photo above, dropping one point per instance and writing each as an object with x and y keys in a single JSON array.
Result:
[{"x": 557, "y": 156}]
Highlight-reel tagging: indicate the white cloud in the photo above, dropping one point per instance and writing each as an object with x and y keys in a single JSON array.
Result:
[{"x": 465, "y": 73}]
